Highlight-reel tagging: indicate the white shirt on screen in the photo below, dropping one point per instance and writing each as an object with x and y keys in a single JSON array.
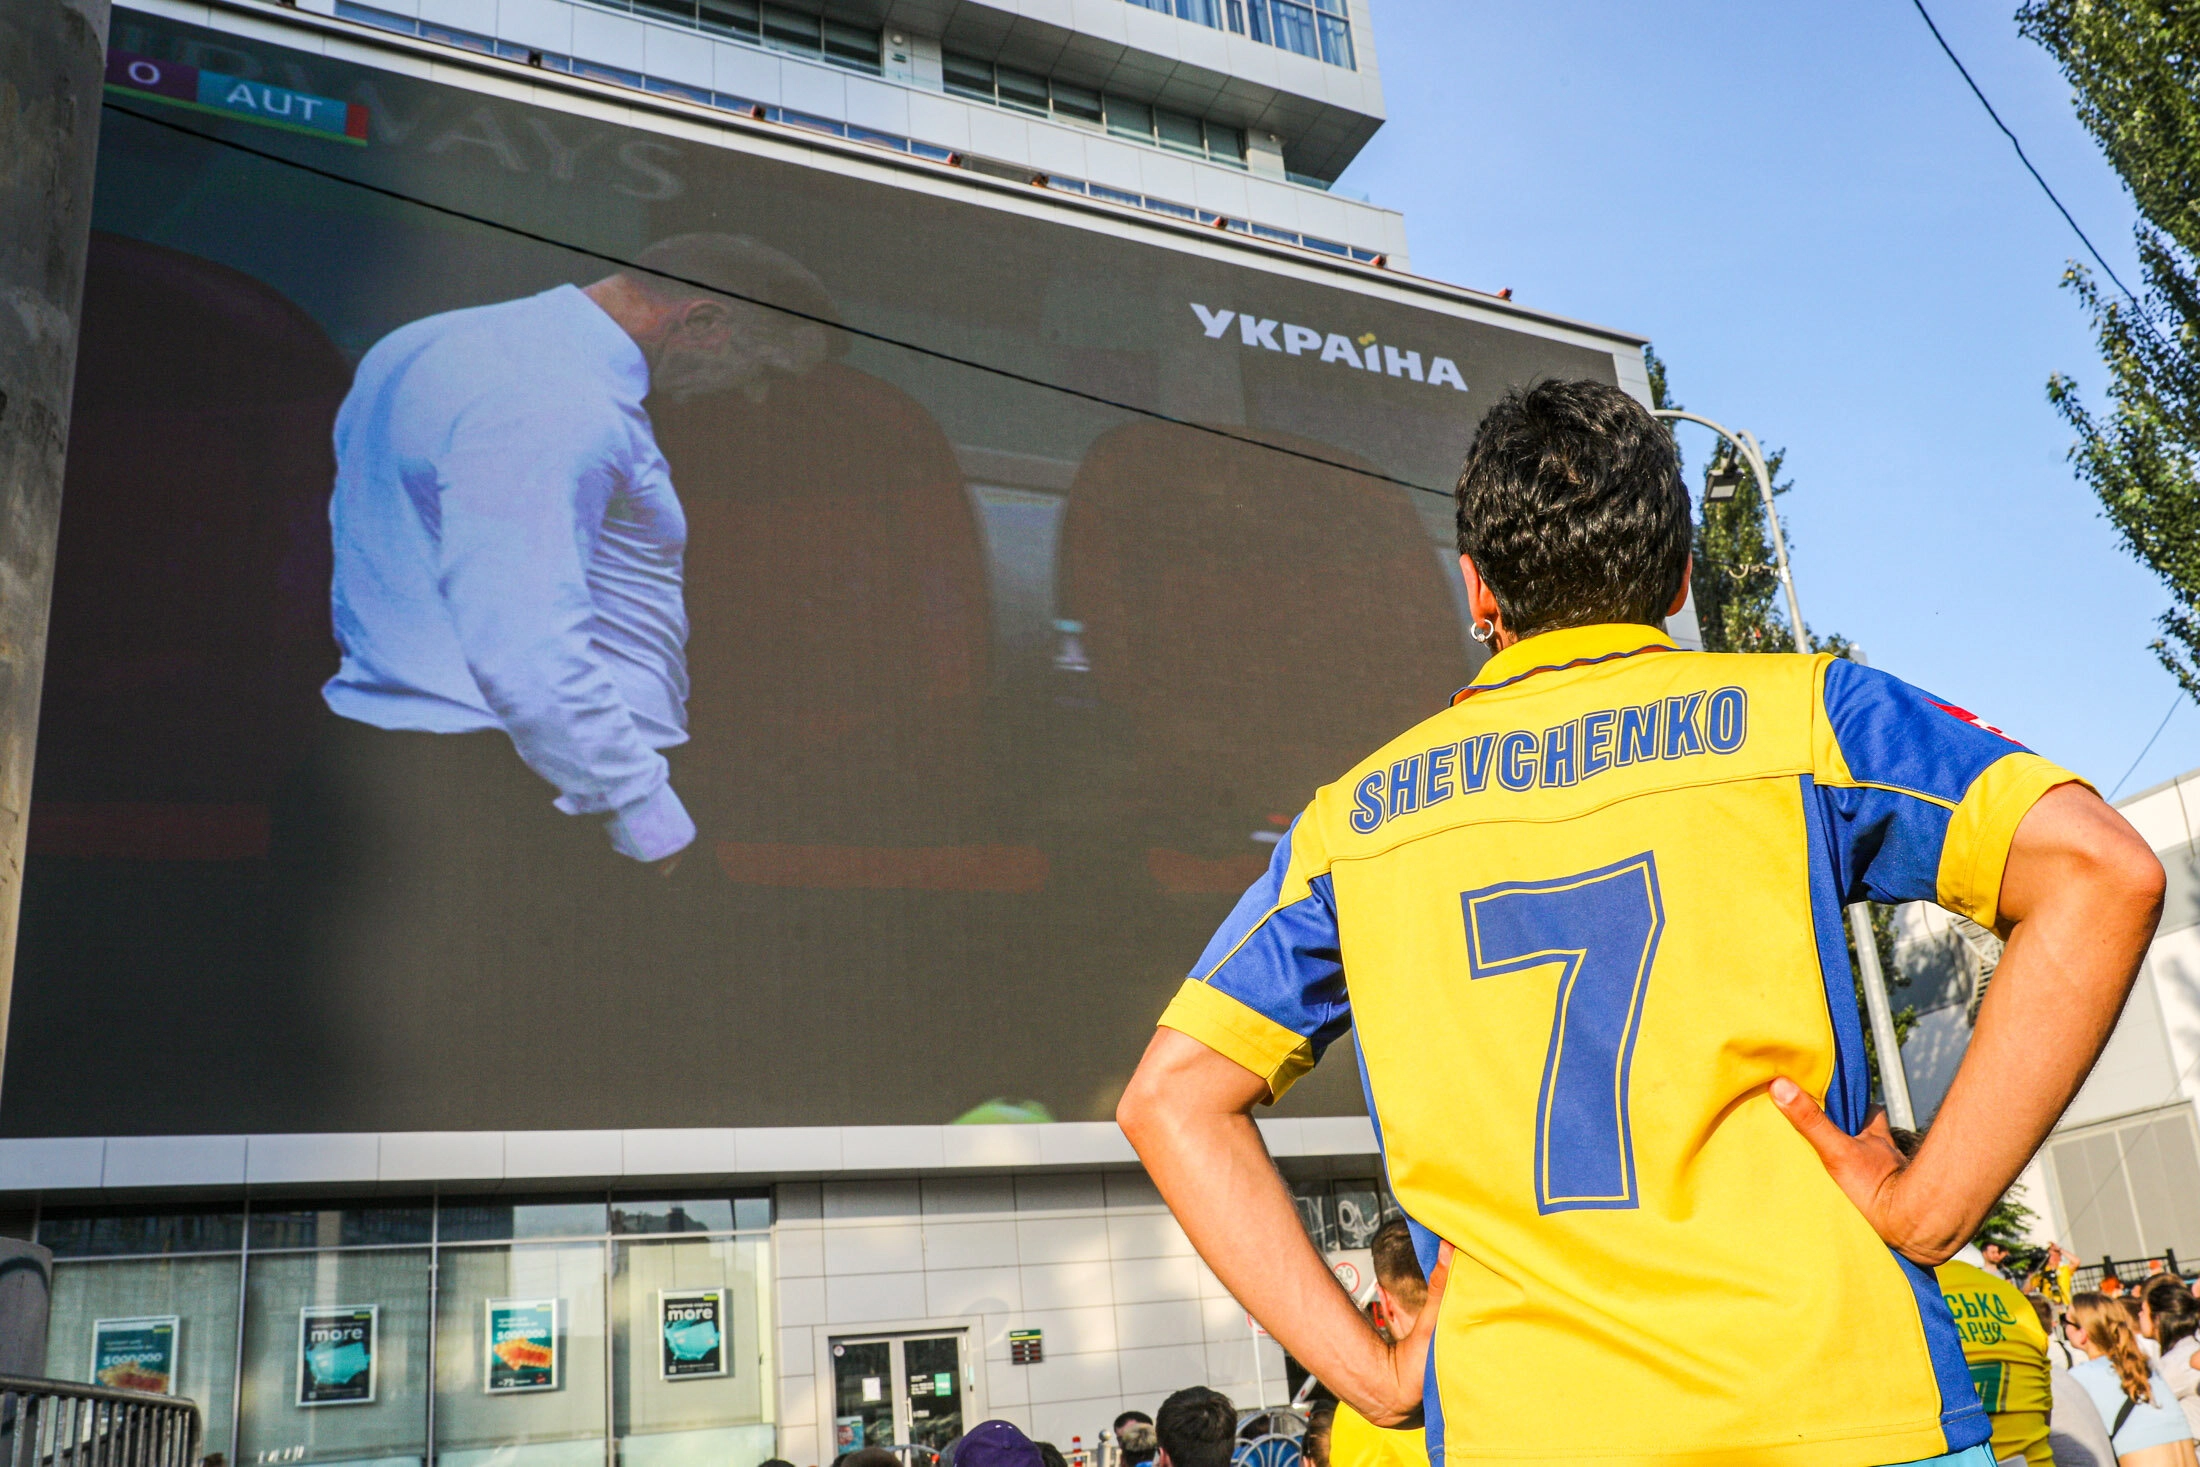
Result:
[{"x": 508, "y": 554}]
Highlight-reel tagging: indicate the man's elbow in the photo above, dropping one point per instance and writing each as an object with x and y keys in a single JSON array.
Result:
[{"x": 2126, "y": 873}]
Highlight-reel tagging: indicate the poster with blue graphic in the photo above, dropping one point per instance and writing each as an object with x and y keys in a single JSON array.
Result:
[
  {"x": 336, "y": 1354},
  {"x": 693, "y": 1326}
]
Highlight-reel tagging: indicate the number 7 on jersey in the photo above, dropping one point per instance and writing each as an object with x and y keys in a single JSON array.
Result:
[{"x": 1601, "y": 927}]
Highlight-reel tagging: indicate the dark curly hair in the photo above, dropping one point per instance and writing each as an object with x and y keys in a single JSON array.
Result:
[{"x": 1572, "y": 507}]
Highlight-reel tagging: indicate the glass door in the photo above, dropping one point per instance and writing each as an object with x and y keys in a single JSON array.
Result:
[
  {"x": 863, "y": 1394},
  {"x": 902, "y": 1389},
  {"x": 932, "y": 1375}
]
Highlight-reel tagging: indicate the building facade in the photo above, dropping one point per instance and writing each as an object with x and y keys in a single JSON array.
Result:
[{"x": 462, "y": 1141}]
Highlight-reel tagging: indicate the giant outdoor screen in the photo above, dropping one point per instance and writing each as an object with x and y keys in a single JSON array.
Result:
[{"x": 869, "y": 723}]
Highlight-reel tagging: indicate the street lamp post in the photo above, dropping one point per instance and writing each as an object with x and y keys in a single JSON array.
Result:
[{"x": 1894, "y": 1083}]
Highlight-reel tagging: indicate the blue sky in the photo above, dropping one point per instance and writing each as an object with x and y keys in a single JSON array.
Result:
[{"x": 1831, "y": 246}]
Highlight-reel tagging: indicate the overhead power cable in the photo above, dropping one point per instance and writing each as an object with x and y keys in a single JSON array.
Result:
[
  {"x": 1965, "y": 73},
  {"x": 2180, "y": 698},
  {"x": 623, "y": 263}
]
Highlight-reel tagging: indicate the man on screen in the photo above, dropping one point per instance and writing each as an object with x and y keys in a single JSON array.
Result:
[{"x": 508, "y": 543}]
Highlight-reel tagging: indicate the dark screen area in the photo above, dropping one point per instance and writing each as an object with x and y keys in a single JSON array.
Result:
[{"x": 994, "y": 697}]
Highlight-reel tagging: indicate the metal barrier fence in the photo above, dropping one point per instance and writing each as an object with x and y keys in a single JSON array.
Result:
[{"x": 56, "y": 1423}]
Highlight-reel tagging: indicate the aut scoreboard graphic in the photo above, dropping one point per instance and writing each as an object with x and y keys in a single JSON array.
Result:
[{"x": 234, "y": 96}]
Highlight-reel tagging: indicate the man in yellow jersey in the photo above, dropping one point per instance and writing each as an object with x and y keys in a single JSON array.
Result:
[
  {"x": 1402, "y": 1291},
  {"x": 1585, "y": 929}
]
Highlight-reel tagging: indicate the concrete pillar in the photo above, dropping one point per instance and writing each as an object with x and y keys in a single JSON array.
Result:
[
  {"x": 26, "y": 1295},
  {"x": 52, "y": 56}
]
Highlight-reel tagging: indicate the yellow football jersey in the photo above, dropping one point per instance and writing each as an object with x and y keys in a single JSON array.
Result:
[
  {"x": 2005, "y": 1345},
  {"x": 1577, "y": 923},
  {"x": 1355, "y": 1441}
]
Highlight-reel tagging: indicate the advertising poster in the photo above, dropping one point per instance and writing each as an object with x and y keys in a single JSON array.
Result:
[
  {"x": 521, "y": 1345},
  {"x": 692, "y": 1324},
  {"x": 136, "y": 1354},
  {"x": 336, "y": 1354}
]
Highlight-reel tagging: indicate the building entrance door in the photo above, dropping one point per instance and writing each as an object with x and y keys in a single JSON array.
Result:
[{"x": 898, "y": 1389}]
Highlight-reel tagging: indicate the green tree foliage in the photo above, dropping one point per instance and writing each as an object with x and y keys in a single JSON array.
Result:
[
  {"x": 2135, "y": 68},
  {"x": 1741, "y": 608}
]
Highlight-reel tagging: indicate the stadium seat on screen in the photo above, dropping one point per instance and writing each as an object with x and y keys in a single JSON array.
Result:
[
  {"x": 190, "y": 607},
  {"x": 1256, "y": 623},
  {"x": 839, "y": 643}
]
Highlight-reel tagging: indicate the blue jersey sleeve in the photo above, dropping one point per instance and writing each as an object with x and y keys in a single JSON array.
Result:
[
  {"x": 1919, "y": 799},
  {"x": 1269, "y": 990}
]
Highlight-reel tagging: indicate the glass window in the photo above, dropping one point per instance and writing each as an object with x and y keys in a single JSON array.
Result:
[
  {"x": 336, "y": 1358},
  {"x": 1225, "y": 144},
  {"x": 1205, "y": 12},
  {"x": 519, "y": 1356},
  {"x": 682, "y": 11},
  {"x": 731, "y": 18},
  {"x": 1130, "y": 119},
  {"x": 691, "y": 1352},
  {"x": 967, "y": 76},
  {"x": 1294, "y": 27},
  {"x": 341, "y": 1227},
  {"x": 1258, "y": 22},
  {"x": 1336, "y": 41},
  {"x": 82, "y": 1233},
  {"x": 791, "y": 30},
  {"x": 1081, "y": 103},
  {"x": 1234, "y": 13},
  {"x": 491, "y": 1219},
  {"x": 1021, "y": 89},
  {"x": 716, "y": 1214},
  {"x": 1180, "y": 132},
  {"x": 1164, "y": 6},
  {"x": 199, "y": 1293},
  {"x": 852, "y": 45}
]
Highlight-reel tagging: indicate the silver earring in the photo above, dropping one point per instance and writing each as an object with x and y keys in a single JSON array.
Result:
[{"x": 1483, "y": 630}]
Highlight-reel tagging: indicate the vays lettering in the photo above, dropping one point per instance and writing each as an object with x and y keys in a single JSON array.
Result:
[{"x": 1557, "y": 758}]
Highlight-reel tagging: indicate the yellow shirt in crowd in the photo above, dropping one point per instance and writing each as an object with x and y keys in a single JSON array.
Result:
[
  {"x": 1355, "y": 1441},
  {"x": 2006, "y": 1349}
]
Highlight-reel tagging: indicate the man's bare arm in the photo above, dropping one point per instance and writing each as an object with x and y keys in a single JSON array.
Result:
[
  {"x": 2080, "y": 896},
  {"x": 1188, "y": 1111}
]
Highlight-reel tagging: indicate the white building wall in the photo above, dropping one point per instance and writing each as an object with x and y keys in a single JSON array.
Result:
[{"x": 1093, "y": 1259}]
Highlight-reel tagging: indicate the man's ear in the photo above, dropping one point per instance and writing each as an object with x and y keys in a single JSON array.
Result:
[
  {"x": 705, "y": 317},
  {"x": 1688, "y": 572},
  {"x": 1161, "y": 1457}
]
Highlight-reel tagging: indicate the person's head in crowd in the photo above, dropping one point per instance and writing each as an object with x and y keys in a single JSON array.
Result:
[
  {"x": 867, "y": 1457},
  {"x": 1134, "y": 1438},
  {"x": 2128, "y": 1302},
  {"x": 2111, "y": 1286},
  {"x": 775, "y": 1462},
  {"x": 1995, "y": 1254},
  {"x": 2098, "y": 1326},
  {"x": 691, "y": 304},
  {"x": 2168, "y": 1312},
  {"x": 1571, "y": 512},
  {"x": 1051, "y": 1455},
  {"x": 1321, "y": 1420},
  {"x": 996, "y": 1444},
  {"x": 1399, "y": 1284},
  {"x": 2044, "y": 1310},
  {"x": 1196, "y": 1427}
]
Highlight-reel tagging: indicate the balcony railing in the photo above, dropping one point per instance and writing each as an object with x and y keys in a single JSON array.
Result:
[{"x": 55, "y": 1423}]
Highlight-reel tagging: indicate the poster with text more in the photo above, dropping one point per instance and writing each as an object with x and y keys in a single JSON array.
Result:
[
  {"x": 136, "y": 1354},
  {"x": 336, "y": 1354},
  {"x": 520, "y": 1347},
  {"x": 692, "y": 1333}
]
